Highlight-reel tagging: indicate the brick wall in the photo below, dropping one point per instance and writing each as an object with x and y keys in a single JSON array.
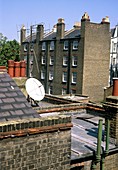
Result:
[
  {"x": 36, "y": 144},
  {"x": 96, "y": 59}
]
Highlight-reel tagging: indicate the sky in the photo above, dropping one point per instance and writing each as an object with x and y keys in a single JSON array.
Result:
[{"x": 15, "y": 13}]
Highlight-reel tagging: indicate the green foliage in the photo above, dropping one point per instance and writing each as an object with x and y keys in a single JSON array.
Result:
[{"x": 9, "y": 50}]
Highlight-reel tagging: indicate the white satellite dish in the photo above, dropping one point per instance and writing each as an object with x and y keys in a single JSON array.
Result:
[{"x": 35, "y": 89}]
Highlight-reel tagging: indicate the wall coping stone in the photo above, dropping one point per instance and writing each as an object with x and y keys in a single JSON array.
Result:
[{"x": 34, "y": 125}]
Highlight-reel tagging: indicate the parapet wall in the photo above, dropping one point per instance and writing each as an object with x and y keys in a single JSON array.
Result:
[{"x": 43, "y": 143}]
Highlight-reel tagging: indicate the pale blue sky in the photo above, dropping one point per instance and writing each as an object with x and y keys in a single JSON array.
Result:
[{"x": 14, "y": 13}]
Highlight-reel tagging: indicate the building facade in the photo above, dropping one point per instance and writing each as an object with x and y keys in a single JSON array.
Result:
[
  {"x": 114, "y": 54},
  {"x": 68, "y": 62}
]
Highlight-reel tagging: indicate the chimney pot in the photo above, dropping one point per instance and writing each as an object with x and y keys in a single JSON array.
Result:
[
  {"x": 60, "y": 20},
  {"x": 77, "y": 25},
  {"x": 115, "y": 87},
  {"x": 85, "y": 16}
]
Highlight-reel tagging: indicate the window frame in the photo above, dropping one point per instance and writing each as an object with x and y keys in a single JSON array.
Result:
[
  {"x": 42, "y": 74},
  {"x": 75, "y": 45},
  {"x": 74, "y": 61},
  {"x": 64, "y": 77},
  {"x": 64, "y": 91},
  {"x": 52, "y": 60},
  {"x": 73, "y": 78},
  {"x": 43, "y": 46},
  {"x": 43, "y": 60},
  {"x": 66, "y": 45},
  {"x": 65, "y": 60},
  {"x": 25, "y": 47},
  {"x": 50, "y": 90},
  {"x": 51, "y": 45},
  {"x": 51, "y": 75}
]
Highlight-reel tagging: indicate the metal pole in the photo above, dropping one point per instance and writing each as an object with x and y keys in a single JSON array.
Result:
[
  {"x": 99, "y": 141},
  {"x": 27, "y": 59},
  {"x": 107, "y": 136}
]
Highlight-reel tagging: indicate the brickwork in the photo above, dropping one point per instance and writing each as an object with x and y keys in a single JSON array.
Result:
[
  {"x": 111, "y": 108},
  {"x": 38, "y": 144},
  {"x": 96, "y": 39},
  {"x": 92, "y": 58}
]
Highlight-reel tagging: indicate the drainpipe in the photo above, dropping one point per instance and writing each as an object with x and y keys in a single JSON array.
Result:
[
  {"x": 98, "y": 154},
  {"x": 107, "y": 137},
  {"x": 105, "y": 153}
]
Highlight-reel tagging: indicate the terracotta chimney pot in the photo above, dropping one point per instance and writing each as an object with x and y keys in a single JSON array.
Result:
[{"x": 115, "y": 87}]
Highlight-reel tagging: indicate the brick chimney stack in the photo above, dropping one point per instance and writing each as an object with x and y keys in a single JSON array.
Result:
[
  {"x": 105, "y": 20},
  {"x": 60, "y": 28},
  {"x": 40, "y": 32},
  {"x": 22, "y": 34}
]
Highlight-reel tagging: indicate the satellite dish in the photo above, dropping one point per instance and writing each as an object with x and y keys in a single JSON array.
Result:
[{"x": 35, "y": 89}]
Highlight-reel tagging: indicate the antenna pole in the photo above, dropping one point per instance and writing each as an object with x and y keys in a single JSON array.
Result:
[{"x": 27, "y": 59}]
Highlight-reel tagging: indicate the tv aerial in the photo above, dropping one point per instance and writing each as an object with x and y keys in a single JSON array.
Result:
[{"x": 35, "y": 91}]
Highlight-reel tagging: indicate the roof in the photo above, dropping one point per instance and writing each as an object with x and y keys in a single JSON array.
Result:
[
  {"x": 13, "y": 103},
  {"x": 112, "y": 32},
  {"x": 50, "y": 36},
  {"x": 84, "y": 131},
  {"x": 73, "y": 33}
]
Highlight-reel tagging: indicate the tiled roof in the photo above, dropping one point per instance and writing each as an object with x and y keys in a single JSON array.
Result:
[
  {"x": 13, "y": 103},
  {"x": 50, "y": 36},
  {"x": 75, "y": 33}
]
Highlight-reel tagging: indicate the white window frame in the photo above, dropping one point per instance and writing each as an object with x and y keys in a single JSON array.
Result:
[
  {"x": 74, "y": 77},
  {"x": 50, "y": 89},
  {"x": 64, "y": 77},
  {"x": 25, "y": 47},
  {"x": 43, "y": 60},
  {"x": 51, "y": 75},
  {"x": 75, "y": 45},
  {"x": 74, "y": 60},
  {"x": 42, "y": 74},
  {"x": 114, "y": 47},
  {"x": 43, "y": 46},
  {"x": 52, "y": 45},
  {"x": 51, "y": 60},
  {"x": 66, "y": 45},
  {"x": 65, "y": 60},
  {"x": 64, "y": 91}
]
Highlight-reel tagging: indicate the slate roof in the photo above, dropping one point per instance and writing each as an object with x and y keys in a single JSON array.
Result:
[
  {"x": 112, "y": 32},
  {"x": 74, "y": 33},
  {"x": 13, "y": 103},
  {"x": 50, "y": 36}
]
